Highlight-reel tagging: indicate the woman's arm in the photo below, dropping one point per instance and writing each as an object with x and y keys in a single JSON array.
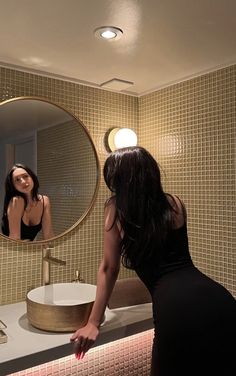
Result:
[
  {"x": 107, "y": 276},
  {"x": 15, "y": 212},
  {"x": 47, "y": 228}
]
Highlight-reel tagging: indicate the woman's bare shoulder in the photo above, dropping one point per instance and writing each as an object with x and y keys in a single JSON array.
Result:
[
  {"x": 45, "y": 199},
  {"x": 17, "y": 203},
  {"x": 110, "y": 205},
  {"x": 110, "y": 213},
  {"x": 110, "y": 201},
  {"x": 179, "y": 210}
]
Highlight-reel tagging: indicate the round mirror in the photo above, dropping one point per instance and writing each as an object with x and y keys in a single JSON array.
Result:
[{"x": 57, "y": 147}]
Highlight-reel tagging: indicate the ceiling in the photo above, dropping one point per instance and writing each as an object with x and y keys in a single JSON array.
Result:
[
  {"x": 163, "y": 41},
  {"x": 24, "y": 117}
]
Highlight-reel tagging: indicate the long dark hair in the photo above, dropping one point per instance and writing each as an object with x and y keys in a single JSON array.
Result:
[
  {"x": 11, "y": 191},
  {"x": 142, "y": 207}
]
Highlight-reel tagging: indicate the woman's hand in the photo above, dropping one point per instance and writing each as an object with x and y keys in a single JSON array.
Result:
[
  {"x": 108, "y": 272},
  {"x": 84, "y": 339}
]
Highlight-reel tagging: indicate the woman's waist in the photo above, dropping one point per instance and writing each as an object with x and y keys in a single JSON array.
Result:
[
  {"x": 154, "y": 273},
  {"x": 169, "y": 267}
]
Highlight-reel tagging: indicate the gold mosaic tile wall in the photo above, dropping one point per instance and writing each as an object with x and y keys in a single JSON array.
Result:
[
  {"x": 99, "y": 110},
  {"x": 67, "y": 172},
  {"x": 190, "y": 127}
]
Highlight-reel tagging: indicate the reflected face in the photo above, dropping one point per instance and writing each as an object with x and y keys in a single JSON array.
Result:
[{"x": 22, "y": 181}]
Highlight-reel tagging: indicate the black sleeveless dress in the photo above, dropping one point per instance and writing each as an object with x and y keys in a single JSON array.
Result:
[
  {"x": 194, "y": 316},
  {"x": 28, "y": 232}
]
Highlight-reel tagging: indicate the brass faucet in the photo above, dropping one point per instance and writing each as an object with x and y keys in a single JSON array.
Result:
[{"x": 47, "y": 260}]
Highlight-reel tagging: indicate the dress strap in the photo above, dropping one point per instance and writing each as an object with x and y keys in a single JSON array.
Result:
[
  {"x": 182, "y": 206},
  {"x": 43, "y": 208}
]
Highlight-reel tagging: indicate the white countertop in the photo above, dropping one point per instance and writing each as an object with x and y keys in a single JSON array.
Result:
[{"x": 28, "y": 346}]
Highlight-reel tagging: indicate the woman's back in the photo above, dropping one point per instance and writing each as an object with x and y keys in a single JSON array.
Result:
[
  {"x": 194, "y": 316},
  {"x": 174, "y": 254}
]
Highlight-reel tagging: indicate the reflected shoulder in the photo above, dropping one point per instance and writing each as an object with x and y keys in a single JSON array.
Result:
[
  {"x": 17, "y": 201},
  {"x": 16, "y": 205},
  {"x": 44, "y": 197}
]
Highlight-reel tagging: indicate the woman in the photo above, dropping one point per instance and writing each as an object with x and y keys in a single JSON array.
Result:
[
  {"x": 25, "y": 211},
  {"x": 145, "y": 228}
]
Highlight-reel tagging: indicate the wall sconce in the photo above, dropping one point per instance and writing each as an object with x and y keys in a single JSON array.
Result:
[{"x": 117, "y": 138}]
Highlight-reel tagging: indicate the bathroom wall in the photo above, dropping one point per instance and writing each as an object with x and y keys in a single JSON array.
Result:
[
  {"x": 99, "y": 110},
  {"x": 62, "y": 173},
  {"x": 189, "y": 127}
]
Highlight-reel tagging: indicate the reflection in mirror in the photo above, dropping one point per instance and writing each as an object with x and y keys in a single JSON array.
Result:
[
  {"x": 25, "y": 212},
  {"x": 58, "y": 148}
]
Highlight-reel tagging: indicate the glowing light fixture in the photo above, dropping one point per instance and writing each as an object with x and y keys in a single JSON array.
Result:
[
  {"x": 117, "y": 138},
  {"x": 108, "y": 32}
]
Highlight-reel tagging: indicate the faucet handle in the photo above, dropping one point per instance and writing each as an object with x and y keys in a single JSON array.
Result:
[
  {"x": 54, "y": 260},
  {"x": 2, "y": 325},
  {"x": 78, "y": 277},
  {"x": 48, "y": 247}
]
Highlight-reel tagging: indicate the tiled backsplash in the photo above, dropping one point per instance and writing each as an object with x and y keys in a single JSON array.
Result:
[
  {"x": 99, "y": 110},
  {"x": 189, "y": 127}
]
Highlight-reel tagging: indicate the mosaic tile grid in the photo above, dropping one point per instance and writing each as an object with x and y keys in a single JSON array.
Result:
[
  {"x": 67, "y": 172},
  {"x": 130, "y": 356},
  {"x": 190, "y": 127},
  {"x": 99, "y": 110}
]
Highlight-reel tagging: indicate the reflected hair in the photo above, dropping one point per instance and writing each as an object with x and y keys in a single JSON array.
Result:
[
  {"x": 142, "y": 207},
  {"x": 11, "y": 191}
]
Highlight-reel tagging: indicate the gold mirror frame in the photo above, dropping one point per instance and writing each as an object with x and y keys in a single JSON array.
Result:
[{"x": 92, "y": 202}]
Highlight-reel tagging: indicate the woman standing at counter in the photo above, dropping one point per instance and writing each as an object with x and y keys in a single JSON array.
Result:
[
  {"x": 146, "y": 229},
  {"x": 25, "y": 211}
]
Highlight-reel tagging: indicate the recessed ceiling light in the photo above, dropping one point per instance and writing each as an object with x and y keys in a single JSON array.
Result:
[{"x": 108, "y": 32}]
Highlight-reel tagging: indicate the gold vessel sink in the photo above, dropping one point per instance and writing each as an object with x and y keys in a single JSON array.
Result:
[{"x": 60, "y": 307}]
